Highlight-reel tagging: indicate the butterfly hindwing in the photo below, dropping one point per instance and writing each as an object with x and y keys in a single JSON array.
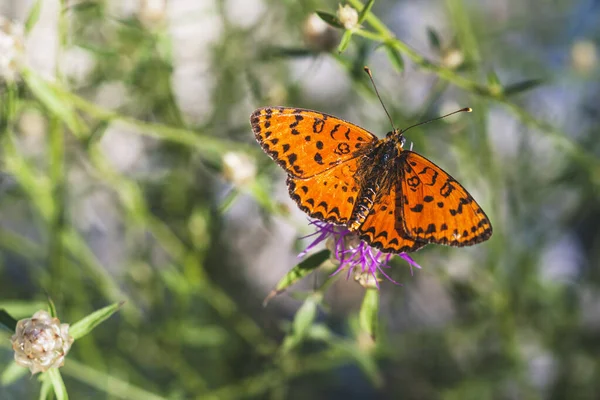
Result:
[
  {"x": 436, "y": 208},
  {"x": 380, "y": 229},
  {"x": 306, "y": 143},
  {"x": 329, "y": 196}
]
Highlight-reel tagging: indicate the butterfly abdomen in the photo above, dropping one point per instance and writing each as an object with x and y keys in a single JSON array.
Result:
[
  {"x": 376, "y": 177},
  {"x": 363, "y": 207}
]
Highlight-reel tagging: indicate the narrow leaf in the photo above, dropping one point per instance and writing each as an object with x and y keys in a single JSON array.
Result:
[
  {"x": 52, "y": 308},
  {"x": 298, "y": 272},
  {"x": 345, "y": 41},
  {"x": 7, "y": 321},
  {"x": 365, "y": 10},
  {"x": 369, "y": 311},
  {"x": 34, "y": 15},
  {"x": 330, "y": 19},
  {"x": 288, "y": 52},
  {"x": 46, "y": 389},
  {"x": 57, "y": 383},
  {"x": 86, "y": 324},
  {"x": 49, "y": 97},
  {"x": 495, "y": 87},
  {"x": 434, "y": 39},
  {"x": 521, "y": 87},
  {"x": 304, "y": 318},
  {"x": 395, "y": 57}
]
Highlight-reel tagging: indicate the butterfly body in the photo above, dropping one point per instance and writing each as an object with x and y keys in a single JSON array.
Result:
[
  {"x": 395, "y": 199},
  {"x": 374, "y": 179}
]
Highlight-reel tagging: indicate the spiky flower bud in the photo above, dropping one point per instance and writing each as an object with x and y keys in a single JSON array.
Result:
[{"x": 41, "y": 342}]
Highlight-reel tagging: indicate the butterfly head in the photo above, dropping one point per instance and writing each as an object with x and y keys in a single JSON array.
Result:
[{"x": 397, "y": 136}]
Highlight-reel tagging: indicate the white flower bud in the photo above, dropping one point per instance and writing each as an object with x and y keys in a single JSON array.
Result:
[
  {"x": 453, "y": 58},
  {"x": 41, "y": 342},
  {"x": 348, "y": 16},
  {"x": 12, "y": 48},
  {"x": 318, "y": 34},
  {"x": 238, "y": 168},
  {"x": 584, "y": 56}
]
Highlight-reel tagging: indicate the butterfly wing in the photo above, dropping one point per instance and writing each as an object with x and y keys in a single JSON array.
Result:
[
  {"x": 306, "y": 143},
  {"x": 328, "y": 196},
  {"x": 382, "y": 228},
  {"x": 436, "y": 208}
]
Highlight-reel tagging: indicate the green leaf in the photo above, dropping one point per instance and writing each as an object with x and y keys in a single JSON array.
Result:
[
  {"x": 495, "y": 87},
  {"x": 303, "y": 321},
  {"x": 365, "y": 10},
  {"x": 298, "y": 272},
  {"x": 52, "y": 308},
  {"x": 57, "y": 383},
  {"x": 434, "y": 39},
  {"x": 321, "y": 332},
  {"x": 369, "y": 312},
  {"x": 304, "y": 318},
  {"x": 86, "y": 6},
  {"x": 345, "y": 41},
  {"x": 330, "y": 19},
  {"x": 7, "y": 321},
  {"x": 395, "y": 57},
  {"x": 368, "y": 365},
  {"x": 86, "y": 324},
  {"x": 12, "y": 373},
  {"x": 46, "y": 389},
  {"x": 521, "y": 87},
  {"x": 34, "y": 15},
  {"x": 50, "y": 98},
  {"x": 288, "y": 52}
]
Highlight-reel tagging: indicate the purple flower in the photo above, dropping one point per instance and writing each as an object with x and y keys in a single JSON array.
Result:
[{"x": 352, "y": 253}]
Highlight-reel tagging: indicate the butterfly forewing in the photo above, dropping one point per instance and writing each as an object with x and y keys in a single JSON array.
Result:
[
  {"x": 436, "y": 208},
  {"x": 380, "y": 229},
  {"x": 329, "y": 196},
  {"x": 304, "y": 142}
]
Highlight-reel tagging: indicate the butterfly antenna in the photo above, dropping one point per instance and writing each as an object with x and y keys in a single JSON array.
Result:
[
  {"x": 466, "y": 109},
  {"x": 368, "y": 71}
]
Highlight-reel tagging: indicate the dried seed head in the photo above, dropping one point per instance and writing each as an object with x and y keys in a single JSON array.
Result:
[{"x": 41, "y": 342}]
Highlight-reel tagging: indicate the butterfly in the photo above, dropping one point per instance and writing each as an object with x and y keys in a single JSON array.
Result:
[{"x": 395, "y": 199}]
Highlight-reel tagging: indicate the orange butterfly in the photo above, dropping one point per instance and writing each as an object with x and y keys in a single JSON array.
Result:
[{"x": 395, "y": 199}]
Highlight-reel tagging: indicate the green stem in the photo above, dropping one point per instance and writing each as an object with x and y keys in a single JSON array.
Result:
[{"x": 557, "y": 136}]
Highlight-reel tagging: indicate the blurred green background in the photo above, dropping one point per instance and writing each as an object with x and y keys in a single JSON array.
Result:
[{"x": 128, "y": 171}]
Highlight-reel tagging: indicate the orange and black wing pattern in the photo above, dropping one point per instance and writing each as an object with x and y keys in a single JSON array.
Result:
[
  {"x": 436, "y": 208},
  {"x": 382, "y": 228},
  {"x": 306, "y": 143},
  {"x": 329, "y": 196}
]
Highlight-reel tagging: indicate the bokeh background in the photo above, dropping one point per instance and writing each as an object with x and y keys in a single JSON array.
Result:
[{"x": 128, "y": 171}]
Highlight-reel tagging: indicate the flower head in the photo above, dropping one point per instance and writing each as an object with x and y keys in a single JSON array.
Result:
[
  {"x": 348, "y": 16},
  {"x": 354, "y": 255},
  {"x": 41, "y": 342}
]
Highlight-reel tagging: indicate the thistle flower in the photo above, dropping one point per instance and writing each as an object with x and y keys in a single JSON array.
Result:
[
  {"x": 41, "y": 342},
  {"x": 354, "y": 255}
]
